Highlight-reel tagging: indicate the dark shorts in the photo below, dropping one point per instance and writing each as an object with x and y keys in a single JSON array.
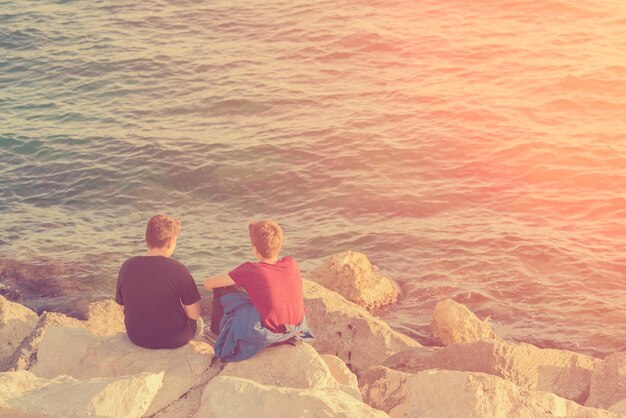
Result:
[{"x": 217, "y": 311}]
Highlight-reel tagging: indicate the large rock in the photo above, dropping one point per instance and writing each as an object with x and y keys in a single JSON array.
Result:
[
  {"x": 619, "y": 407},
  {"x": 295, "y": 367},
  {"x": 608, "y": 381},
  {"x": 186, "y": 406},
  {"x": 16, "y": 323},
  {"x": 22, "y": 392},
  {"x": 445, "y": 393},
  {"x": 352, "y": 275},
  {"x": 226, "y": 397},
  {"x": 25, "y": 356},
  {"x": 347, "y": 380},
  {"x": 564, "y": 373},
  {"x": 348, "y": 331},
  {"x": 340, "y": 371},
  {"x": 87, "y": 356},
  {"x": 285, "y": 366},
  {"x": 105, "y": 317},
  {"x": 454, "y": 323}
]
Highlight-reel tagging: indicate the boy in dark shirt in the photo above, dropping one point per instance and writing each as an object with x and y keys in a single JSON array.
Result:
[
  {"x": 157, "y": 294},
  {"x": 273, "y": 285}
]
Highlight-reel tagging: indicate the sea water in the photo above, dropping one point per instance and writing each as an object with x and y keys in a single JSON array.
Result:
[{"x": 472, "y": 150}]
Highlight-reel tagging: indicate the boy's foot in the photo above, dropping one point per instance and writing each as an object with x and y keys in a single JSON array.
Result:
[
  {"x": 205, "y": 335},
  {"x": 208, "y": 335},
  {"x": 295, "y": 341}
]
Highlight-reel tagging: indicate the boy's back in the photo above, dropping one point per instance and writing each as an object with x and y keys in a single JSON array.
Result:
[
  {"x": 158, "y": 295},
  {"x": 272, "y": 312},
  {"x": 151, "y": 288},
  {"x": 275, "y": 290}
]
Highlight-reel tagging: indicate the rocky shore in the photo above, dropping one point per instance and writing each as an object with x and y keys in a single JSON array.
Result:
[{"x": 54, "y": 365}]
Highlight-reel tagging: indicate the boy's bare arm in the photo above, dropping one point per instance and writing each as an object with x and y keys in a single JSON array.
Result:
[
  {"x": 192, "y": 311},
  {"x": 218, "y": 281}
]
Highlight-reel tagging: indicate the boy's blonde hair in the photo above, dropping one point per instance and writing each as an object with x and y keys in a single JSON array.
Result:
[
  {"x": 160, "y": 229},
  {"x": 267, "y": 237}
]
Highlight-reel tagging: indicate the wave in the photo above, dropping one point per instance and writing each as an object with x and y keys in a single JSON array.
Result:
[{"x": 471, "y": 150}]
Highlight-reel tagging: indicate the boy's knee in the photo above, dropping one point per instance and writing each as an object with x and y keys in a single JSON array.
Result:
[{"x": 221, "y": 291}]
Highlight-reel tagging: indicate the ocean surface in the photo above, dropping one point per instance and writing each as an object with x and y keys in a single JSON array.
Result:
[{"x": 472, "y": 150}]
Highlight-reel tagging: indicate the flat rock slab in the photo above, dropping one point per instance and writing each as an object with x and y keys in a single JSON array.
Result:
[
  {"x": 286, "y": 366},
  {"x": 231, "y": 397},
  {"x": 23, "y": 393},
  {"x": 81, "y": 354},
  {"x": 445, "y": 393},
  {"x": 564, "y": 373}
]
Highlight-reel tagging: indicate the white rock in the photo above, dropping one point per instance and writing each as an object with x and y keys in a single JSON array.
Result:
[
  {"x": 564, "y": 373},
  {"x": 454, "y": 323},
  {"x": 105, "y": 318},
  {"x": 340, "y": 371},
  {"x": 294, "y": 367},
  {"x": 186, "y": 406},
  {"x": 352, "y": 275},
  {"x": 82, "y": 355},
  {"x": 226, "y": 397},
  {"x": 347, "y": 380},
  {"x": 445, "y": 393},
  {"x": 286, "y": 366},
  {"x": 608, "y": 381},
  {"x": 348, "y": 331},
  {"x": 127, "y": 396},
  {"x": 25, "y": 356},
  {"x": 16, "y": 323},
  {"x": 619, "y": 407}
]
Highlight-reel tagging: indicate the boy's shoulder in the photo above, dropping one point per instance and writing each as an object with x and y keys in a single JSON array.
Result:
[
  {"x": 250, "y": 267},
  {"x": 287, "y": 264},
  {"x": 289, "y": 260},
  {"x": 130, "y": 262},
  {"x": 143, "y": 260},
  {"x": 285, "y": 261}
]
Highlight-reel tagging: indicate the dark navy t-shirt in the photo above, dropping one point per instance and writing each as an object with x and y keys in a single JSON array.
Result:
[{"x": 151, "y": 288}]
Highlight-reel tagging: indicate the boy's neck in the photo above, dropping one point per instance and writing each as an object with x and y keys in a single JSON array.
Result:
[
  {"x": 158, "y": 251},
  {"x": 268, "y": 260}
]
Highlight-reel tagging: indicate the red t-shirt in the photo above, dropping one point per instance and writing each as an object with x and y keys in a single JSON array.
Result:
[{"x": 275, "y": 291}]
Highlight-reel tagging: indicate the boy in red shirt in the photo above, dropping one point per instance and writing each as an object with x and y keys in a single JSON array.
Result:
[{"x": 273, "y": 285}]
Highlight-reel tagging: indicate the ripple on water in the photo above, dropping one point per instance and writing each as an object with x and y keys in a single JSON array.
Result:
[{"x": 471, "y": 151}]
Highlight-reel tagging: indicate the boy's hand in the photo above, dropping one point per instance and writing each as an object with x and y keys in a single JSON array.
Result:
[{"x": 192, "y": 311}]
